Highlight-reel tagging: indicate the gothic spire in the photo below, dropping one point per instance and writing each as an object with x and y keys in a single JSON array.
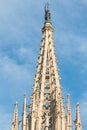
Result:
[
  {"x": 47, "y": 84},
  {"x": 15, "y": 122},
  {"x": 47, "y": 111},
  {"x": 24, "y": 114}
]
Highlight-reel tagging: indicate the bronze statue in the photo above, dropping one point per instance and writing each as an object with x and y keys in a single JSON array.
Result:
[{"x": 47, "y": 14}]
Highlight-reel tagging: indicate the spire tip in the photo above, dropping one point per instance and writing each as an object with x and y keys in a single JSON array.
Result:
[{"x": 47, "y": 13}]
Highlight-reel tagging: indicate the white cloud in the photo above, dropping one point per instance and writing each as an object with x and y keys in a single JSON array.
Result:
[{"x": 14, "y": 78}]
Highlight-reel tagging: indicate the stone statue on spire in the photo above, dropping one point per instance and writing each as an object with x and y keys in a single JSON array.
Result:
[{"x": 47, "y": 13}]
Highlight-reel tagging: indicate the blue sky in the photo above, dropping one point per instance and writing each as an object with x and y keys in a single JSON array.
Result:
[{"x": 20, "y": 37}]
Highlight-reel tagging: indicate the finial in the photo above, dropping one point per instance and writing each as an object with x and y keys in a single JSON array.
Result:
[
  {"x": 47, "y": 14},
  {"x": 77, "y": 104},
  {"x": 25, "y": 95},
  {"x": 78, "y": 108},
  {"x": 16, "y": 104}
]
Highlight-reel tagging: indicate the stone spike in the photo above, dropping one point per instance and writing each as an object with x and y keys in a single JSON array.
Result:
[
  {"x": 78, "y": 124},
  {"x": 15, "y": 122},
  {"x": 68, "y": 116},
  {"x": 78, "y": 113},
  {"x": 24, "y": 114}
]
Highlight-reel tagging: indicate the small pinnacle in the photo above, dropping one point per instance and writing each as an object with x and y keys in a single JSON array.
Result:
[{"x": 77, "y": 104}]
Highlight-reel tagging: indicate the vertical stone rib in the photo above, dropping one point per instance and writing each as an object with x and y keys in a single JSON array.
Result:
[{"x": 43, "y": 77}]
